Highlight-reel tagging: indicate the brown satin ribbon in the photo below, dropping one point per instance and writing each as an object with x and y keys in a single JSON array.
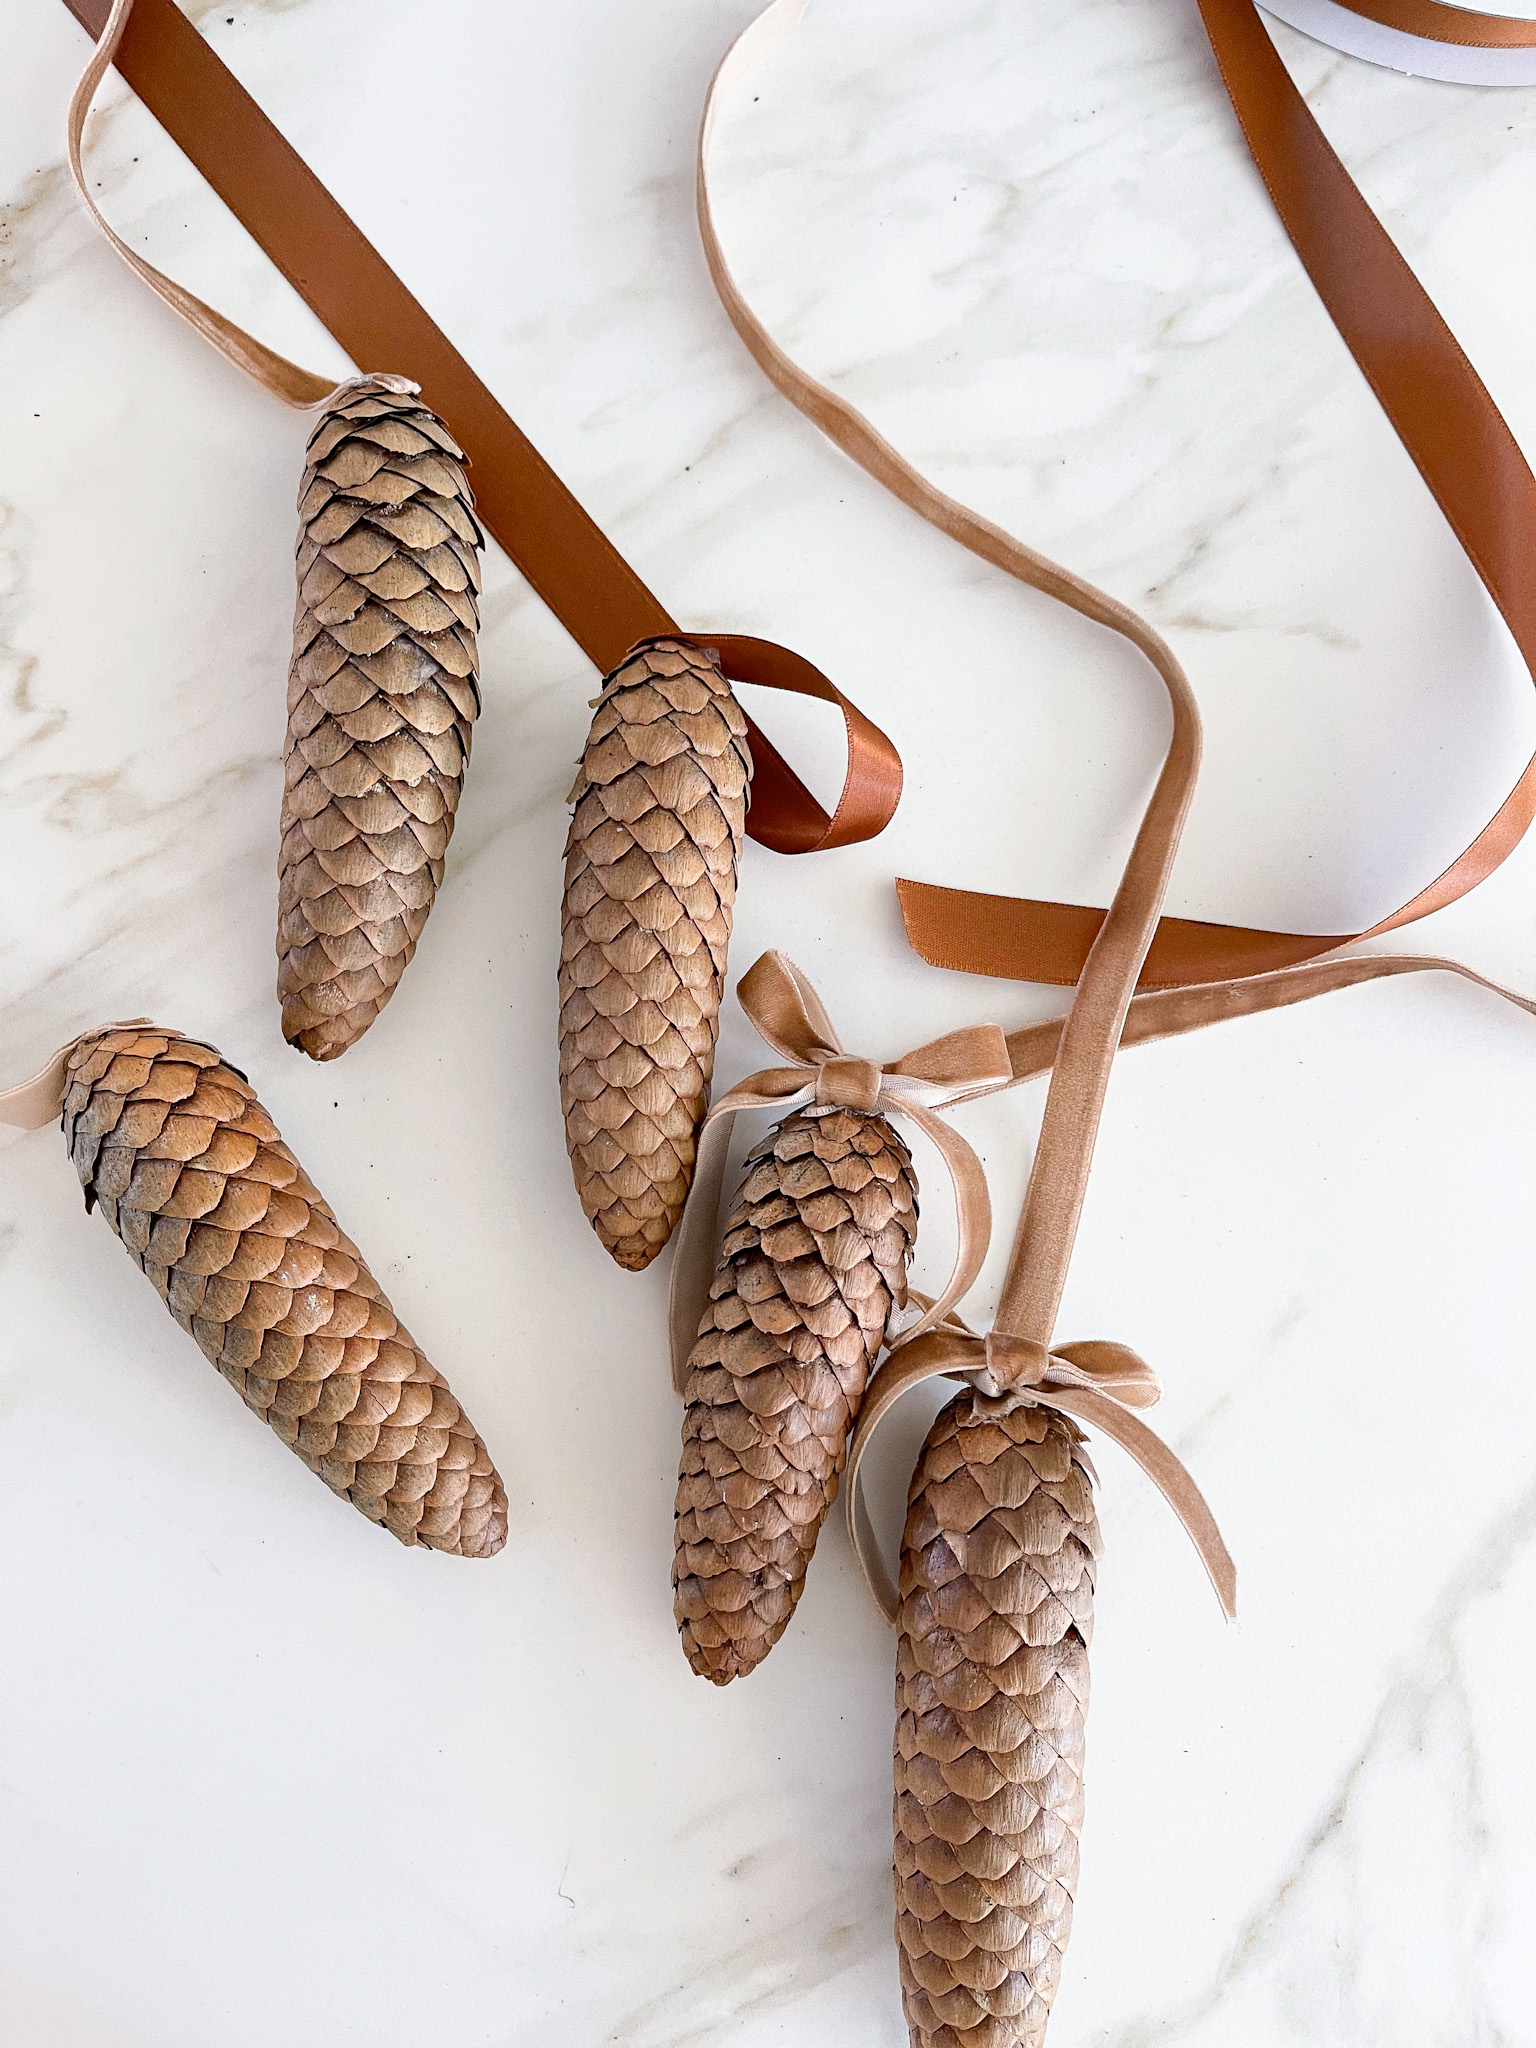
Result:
[
  {"x": 1439, "y": 407},
  {"x": 789, "y": 1016},
  {"x": 578, "y": 572},
  {"x": 1439, "y": 24}
]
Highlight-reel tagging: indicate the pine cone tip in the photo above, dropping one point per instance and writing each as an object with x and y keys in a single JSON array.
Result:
[{"x": 328, "y": 1039}]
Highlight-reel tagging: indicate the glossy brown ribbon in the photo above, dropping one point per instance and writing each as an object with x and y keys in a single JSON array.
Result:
[
  {"x": 345, "y": 282},
  {"x": 1096, "y": 1382},
  {"x": 790, "y": 1017},
  {"x": 1436, "y": 402},
  {"x": 1437, "y": 24}
]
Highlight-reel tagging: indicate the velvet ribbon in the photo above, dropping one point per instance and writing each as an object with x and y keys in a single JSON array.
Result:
[
  {"x": 31, "y": 1104},
  {"x": 1096, "y": 1382},
  {"x": 790, "y": 1017}
]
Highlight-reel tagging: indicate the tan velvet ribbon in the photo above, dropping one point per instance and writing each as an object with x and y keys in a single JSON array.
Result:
[
  {"x": 578, "y": 572},
  {"x": 1096, "y": 1382},
  {"x": 1019, "y": 1349},
  {"x": 31, "y": 1104},
  {"x": 1440, "y": 409},
  {"x": 790, "y": 1017}
]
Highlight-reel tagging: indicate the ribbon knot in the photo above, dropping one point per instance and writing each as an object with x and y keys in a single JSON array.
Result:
[
  {"x": 790, "y": 1017},
  {"x": 1013, "y": 1362},
  {"x": 843, "y": 1083}
]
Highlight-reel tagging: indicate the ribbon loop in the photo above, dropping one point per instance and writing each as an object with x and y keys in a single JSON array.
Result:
[
  {"x": 953, "y": 1061},
  {"x": 785, "y": 1010}
]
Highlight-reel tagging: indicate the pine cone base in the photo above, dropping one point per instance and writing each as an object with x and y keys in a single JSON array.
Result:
[
  {"x": 650, "y": 888},
  {"x": 382, "y": 696},
  {"x": 814, "y": 1259},
  {"x": 991, "y": 1696},
  {"x": 172, "y": 1145}
]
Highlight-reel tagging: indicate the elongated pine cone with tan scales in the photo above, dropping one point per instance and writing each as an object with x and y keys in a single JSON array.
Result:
[
  {"x": 814, "y": 1259},
  {"x": 997, "y": 1571},
  {"x": 650, "y": 888},
  {"x": 191, "y": 1173},
  {"x": 382, "y": 696}
]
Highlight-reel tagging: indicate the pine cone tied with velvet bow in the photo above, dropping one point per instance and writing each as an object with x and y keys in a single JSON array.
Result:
[
  {"x": 996, "y": 1589},
  {"x": 382, "y": 696},
  {"x": 193, "y": 1176},
  {"x": 814, "y": 1259},
  {"x": 650, "y": 888}
]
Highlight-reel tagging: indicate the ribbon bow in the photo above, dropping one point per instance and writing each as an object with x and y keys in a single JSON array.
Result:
[
  {"x": 789, "y": 1016},
  {"x": 1099, "y": 1382}
]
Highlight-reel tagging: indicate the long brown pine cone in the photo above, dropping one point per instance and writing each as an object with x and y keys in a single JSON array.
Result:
[
  {"x": 997, "y": 1573},
  {"x": 814, "y": 1258},
  {"x": 382, "y": 696},
  {"x": 191, "y": 1173},
  {"x": 650, "y": 887}
]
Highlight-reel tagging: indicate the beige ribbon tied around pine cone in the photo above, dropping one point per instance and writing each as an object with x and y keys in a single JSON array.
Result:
[
  {"x": 790, "y": 1017},
  {"x": 31, "y": 1104},
  {"x": 1097, "y": 1382}
]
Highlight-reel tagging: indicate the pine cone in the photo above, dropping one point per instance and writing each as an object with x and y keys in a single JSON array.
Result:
[
  {"x": 650, "y": 885},
  {"x": 381, "y": 699},
  {"x": 991, "y": 1695},
  {"x": 191, "y": 1173},
  {"x": 814, "y": 1258}
]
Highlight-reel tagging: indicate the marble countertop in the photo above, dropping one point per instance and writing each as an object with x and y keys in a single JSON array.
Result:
[{"x": 266, "y": 1777}]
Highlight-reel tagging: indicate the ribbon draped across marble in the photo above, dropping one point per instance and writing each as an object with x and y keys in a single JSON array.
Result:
[
  {"x": 790, "y": 1016},
  {"x": 1096, "y": 1382}
]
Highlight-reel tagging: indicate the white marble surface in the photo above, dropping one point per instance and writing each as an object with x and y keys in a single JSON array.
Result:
[{"x": 265, "y": 1777}]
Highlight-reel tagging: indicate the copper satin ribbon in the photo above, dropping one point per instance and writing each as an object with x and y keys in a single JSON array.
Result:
[
  {"x": 789, "y": 1016},
  {"x": 578, "y": 572},
  {"x": 1441, "y": 411},
  {"x": 1439, "y": 24}
]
